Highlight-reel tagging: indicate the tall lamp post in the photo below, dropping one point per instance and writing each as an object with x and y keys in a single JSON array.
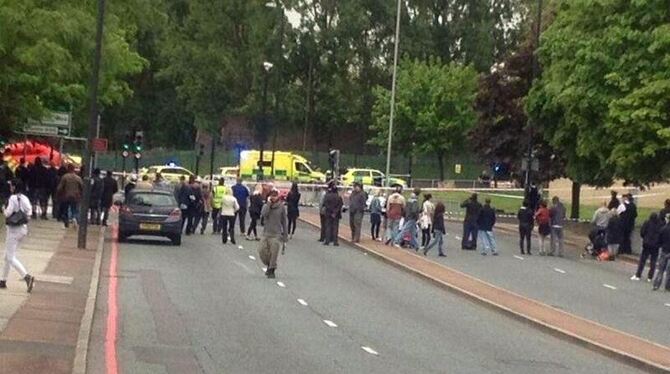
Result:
[
  {"x": 279, "y": 59},
  {"x": 534, "y": 73},
  {"x": 267, "y": 66},
  {"x": 393, "y": 88},
  {"x": 92, "y": 127}
]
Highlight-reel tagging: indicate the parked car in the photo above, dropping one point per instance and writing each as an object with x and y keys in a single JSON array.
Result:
[
  {"x": 169, "y": 173},
  {"x": 369, "y": 177},
  {"x": 150, "y": 212}
]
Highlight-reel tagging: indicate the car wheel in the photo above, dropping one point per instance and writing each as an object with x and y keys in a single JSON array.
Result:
[{"x": 176, "y": 240}]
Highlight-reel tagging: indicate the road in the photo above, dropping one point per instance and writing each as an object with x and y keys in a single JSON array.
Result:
[
  {"x": 599, "y": 291},
  {"x": 206, "y": 307}
]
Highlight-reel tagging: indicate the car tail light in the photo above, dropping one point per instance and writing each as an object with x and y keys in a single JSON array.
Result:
[{"x": 175, "y": 216}]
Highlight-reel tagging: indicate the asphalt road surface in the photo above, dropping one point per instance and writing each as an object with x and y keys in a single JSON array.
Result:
[
  {"x": 207, "y": 307},
  {"x": 599, "y": 291}
]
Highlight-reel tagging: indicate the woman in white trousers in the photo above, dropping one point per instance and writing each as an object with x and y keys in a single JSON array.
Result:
[{"x": 15, "y": 234}]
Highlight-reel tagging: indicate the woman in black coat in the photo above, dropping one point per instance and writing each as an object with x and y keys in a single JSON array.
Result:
[{"x": 292, "y": 208}]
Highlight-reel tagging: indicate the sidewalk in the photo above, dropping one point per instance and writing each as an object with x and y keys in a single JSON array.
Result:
[
  {"x": 614, "y": 343},
  {"x": 39, "y": 331}
]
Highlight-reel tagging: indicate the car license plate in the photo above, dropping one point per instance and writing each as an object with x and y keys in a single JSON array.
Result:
[{"x": 150, "y": 226}]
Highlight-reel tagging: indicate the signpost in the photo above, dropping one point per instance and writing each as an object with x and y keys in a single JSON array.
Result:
[
  {"x": 53, "y": 124},
  {"x": 99, "y": 145}
]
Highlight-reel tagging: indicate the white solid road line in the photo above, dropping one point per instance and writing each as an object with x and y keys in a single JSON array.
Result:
[
  {"x": 609, "y": 286},
  {"x": 518, "y": 257},
  {"x": 252, "y": 257},
  {"x": 281, "y": 284},
  {"x": 559, "y": 270},
  {"x": 302, "y": 302},
  {"x": 370, "y": 350},
  {"x": 329, "y": 323}
]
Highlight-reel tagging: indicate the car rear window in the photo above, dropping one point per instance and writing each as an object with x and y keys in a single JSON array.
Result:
[{"x": 152, "y": 199}]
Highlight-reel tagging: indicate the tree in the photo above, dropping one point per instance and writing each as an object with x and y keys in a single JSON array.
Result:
[
  {"x": 501, "y": 133},
  {"x": 46, "y": 50},
  {"x": 604, "y": 96},
  {"x": 434, "y": 104}
]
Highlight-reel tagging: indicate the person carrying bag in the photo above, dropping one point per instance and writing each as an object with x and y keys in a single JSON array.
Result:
[{"x": 16, "y": 219}]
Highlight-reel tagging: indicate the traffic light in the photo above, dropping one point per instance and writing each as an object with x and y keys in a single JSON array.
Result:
[{"x": 125, "y": 150}]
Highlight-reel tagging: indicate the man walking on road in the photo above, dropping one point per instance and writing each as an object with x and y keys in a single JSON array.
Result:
[
  {"x": 218, "y": 192},
  {"x": 557, "y": 215},
  {"x": 485, "y": 223},
  {"x": 95, "y": 197},
  {"x": 357, "y": 202},
  {"x": 526, "y": 222},
  {"x": 472, "y": 209},
  {"x": 109, "y": 188},
  {"x": 275, "y": 232},
  {"x": 395, "y": 208},
  {"x": 229, "y": 209},
  {"x": 332, "y": 204},
  {"x": 241, "y": 193},
  {"x": 69, "y": 193}
]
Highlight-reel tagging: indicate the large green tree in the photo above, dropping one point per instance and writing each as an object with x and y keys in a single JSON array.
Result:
[
  {"x": 434, "y": 109},
  {"x": 46, "y": 49},
  {"x": 604, "y": 98}
]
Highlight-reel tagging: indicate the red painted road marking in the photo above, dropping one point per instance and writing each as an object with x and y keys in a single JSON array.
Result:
[{"x": 112, "y": 312}]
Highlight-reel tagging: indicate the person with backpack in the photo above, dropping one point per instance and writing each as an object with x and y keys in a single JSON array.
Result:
[
  {"x": 17, "y": 214},
  {"x": 664, "y": 260},
  {"x": 651, "y": 234},
  {"x": 526, "y": 223},
  {"x": 412, "y": 211},
  {"x": 439, "y": 231},
  {"x": 485, "y": 223},
  {"x": 472, "y": 209},
  {"x": 543, "y": 219},
  {"x": 376, "y": 212}
]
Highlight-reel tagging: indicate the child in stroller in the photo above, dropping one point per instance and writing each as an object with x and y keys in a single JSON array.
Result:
[{"x": 598, "y": 243}]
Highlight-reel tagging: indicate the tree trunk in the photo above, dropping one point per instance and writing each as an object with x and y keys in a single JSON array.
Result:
[
  {"x": 574, "y": 212},
  {"x": 410, "y": 158},
  {"x": 440, "y": 162}
]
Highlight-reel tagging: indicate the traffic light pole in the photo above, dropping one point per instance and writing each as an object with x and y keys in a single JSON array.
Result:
[{"x": 92, "y": 126}]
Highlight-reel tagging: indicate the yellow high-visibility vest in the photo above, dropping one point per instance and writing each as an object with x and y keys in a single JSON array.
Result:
[{"x": 218, "y": 193}]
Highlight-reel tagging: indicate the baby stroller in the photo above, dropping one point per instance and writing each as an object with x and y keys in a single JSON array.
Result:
[{"x": 598, "y": 244}]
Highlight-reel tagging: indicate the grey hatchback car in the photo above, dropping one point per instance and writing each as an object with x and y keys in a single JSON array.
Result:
[{"x": 150, "y": 212}]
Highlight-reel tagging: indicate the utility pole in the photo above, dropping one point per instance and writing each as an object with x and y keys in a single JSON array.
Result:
[
  {"x": 92, "y": 125},
  {"x": 393, "y": 88}
]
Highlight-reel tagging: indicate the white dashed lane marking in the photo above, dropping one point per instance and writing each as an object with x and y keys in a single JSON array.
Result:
[
  {"x": 329, "y": 323},
  {"x": 457, "y": 237},
  {"x": 264, "y": 269},
  {"x": 609, "y": 286},
  {"x": 252, "y": 257},
  {"x": 667, "y": 304},
  {"x": 302, "y": 302},
  {"x": 281, "y": 284},
  {"x": 370, "y": 350},
  {"x": 518, "y": 257},
  {"x": 559, "y": 270},
  {"x": 240, "y": 247}
]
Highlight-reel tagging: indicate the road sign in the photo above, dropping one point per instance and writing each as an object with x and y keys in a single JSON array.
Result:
[
  {"x": 53, "y": 124},
  {"x": 125, "y": 154},
  {"x": 458, "y": 168},
  {"x": 99, "y": 145},
  {"x": 138, "y": 156}
]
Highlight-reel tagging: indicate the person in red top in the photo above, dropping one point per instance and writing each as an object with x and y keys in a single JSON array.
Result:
[{"x": 543, "y": 218}]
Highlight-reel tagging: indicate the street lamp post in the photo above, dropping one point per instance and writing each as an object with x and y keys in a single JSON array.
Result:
[
  {"x": 266, "y": 71},
  {"x": 92, "y": 126},
  {"x": 393, "y": 88}
]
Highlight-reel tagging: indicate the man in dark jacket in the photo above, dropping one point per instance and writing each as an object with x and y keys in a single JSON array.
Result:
[
  {"x": 332, "y": 204},
  {"x": 628, "y": 217},
  {"x": 241, "y": 193},
  {"x": 412, "y": 211},
  {"x": 96, "y": 195},
  {"x": 485, "y": 222},
  {"x": 183, "y": 195},
  {"x": 109, "y": 188},
  {"x": 357, "y": 203},
  {"x": 526, "y": 219},
  {"x": 664, "y": 214},
  {"x": 664, "y": 261},
  {"x": 472, "y": 209},
  {"x": 6, "y": 175},
  {"x": 557, "y": 215},
  {"x": 614, "y": 236},
  {"x": 39, "y": 184}
]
